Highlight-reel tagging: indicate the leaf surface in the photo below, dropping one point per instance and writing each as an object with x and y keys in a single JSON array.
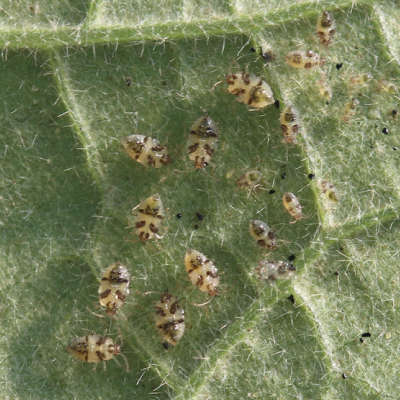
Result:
[{"x": 76, "y": 77}]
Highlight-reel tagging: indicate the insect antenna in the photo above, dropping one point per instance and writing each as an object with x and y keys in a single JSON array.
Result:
[
  {"x": 204, "y": 304},
  {"x": 125, "y": 361},
  {"x": 95, "y": 314}
]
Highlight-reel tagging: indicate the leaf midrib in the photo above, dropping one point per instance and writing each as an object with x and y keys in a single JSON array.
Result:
[{"x": 88, "y": 33}]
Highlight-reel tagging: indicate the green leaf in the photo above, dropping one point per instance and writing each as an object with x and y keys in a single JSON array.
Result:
[{"x": 68, "y": 188}]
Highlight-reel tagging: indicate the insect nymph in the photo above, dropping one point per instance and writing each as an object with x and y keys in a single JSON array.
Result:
[
  {"x": 292, "y": 206},
  {"x": 271, "y": 270},
  {"x": 93, "y": 348},
  {"x": 250, "y": 180},
  {"x": 263, "y": 234},
  {"x": 324, "y": 88},
  {"x": 149, "y": 216},
  {"x": 350, "y": 109},
  {"x": 329, "y": 190},
  {"x": 202, "y": 141},
  {"x": 250, "y": 90},
  {"x": 202, "y": 272},
  {"x": 145, "y": 150},
  {"x": 326, "y": 28},
  {"x": 289, "y": 124},
  {"x": 114, "y": 287},
  {"x": 170, "y": 319},
  {"x": 304, "y": 59}
]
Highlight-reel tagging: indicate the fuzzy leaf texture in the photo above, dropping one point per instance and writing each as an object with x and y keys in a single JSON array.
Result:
[{"x": 67, "y": 190}]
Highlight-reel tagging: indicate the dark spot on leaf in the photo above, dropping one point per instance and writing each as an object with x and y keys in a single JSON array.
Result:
[
  {"x": 128, "y": 81},
  {"x": 338, "y": 66},
  {"x": 252, "y": 49},
  {"x": 196, "y": 227},
  {"x": 199, "y": 216},
  {"x": 394, "y": 148},
  {"x": 272, "y": 191}
]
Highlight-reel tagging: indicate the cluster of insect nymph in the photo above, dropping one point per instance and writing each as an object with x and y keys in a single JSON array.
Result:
[{"x": 150, "y": 213}]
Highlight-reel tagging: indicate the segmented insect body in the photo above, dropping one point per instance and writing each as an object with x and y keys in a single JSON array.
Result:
[
  {"x": 326, "y": 28},
  {"x": 350, "y": 109},
  {"x": 386, "y": 86},
  {"x": 250, "y": 90},
  {"x": 148, "y": 219},
  {"x": 292, "y": 206},
  {"x": 202, "y": 141},
  {"x": 263, "y": 234},
  {"x": 359, "y": 81},
  {"x": 93, "y": 348},
  {"x": 114, "y": 287},
  {"x": 250, "y": 179},
  {"x": 202, "y": 272},
  {"x": 289, "y": 124},
  {"x": 324, "y": 89},
  {"x": 273, "y": 270},
  {"x": 145, "y": 150},
  {"x": 304, "y": 59},
  {"x": 329, "y": 190},
  {"x": 170, "y": 319}
]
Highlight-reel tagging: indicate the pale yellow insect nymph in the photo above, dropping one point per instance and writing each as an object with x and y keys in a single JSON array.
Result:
[
  {"x": 292, "y": 206},
  {"x": 149, "y": 215},
  {"x": 250, "y": 89},
  {"x": 93, "y": 348},
  {"x": 326, "y": 28},
  {"x": 170, "y": 319},
  {"x": 289, "y": 124},
  {"x": 329, "y": 190},
  {"x": 114, "y": 287},
  {"x": 146, "y": 150},
  {"x": 304, "y": 59},
  {"x": 350, "y": 109},
  {"x": 202, "y": 272},
  {"x": 263, "y": 234},
  {"x": 202, "y": 141},
  {"x": 273, "y": 270},
  {"x": 250, "y": 180}
]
